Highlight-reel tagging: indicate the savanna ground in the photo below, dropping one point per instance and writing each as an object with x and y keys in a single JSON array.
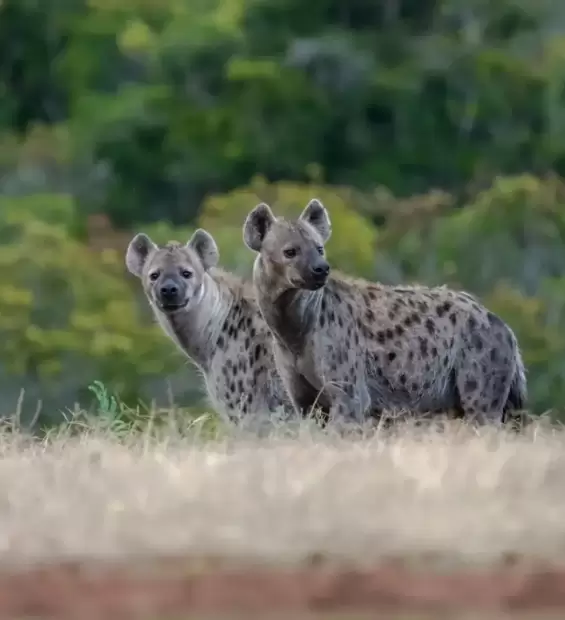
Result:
[{"x": 175, "y": 522}]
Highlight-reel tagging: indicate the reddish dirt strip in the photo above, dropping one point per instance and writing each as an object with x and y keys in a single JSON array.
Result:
[{"x": 89, "y": 593}]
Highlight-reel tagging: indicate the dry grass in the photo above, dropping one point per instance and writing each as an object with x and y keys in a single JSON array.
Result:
[{"x": 456, "y": 496}]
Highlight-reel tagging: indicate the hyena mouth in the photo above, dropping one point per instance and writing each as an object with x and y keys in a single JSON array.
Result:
[
  {"x": 309, "y": 284},
  {"x": 172, "y": 307},
  {"x": 315, "y": 284}
]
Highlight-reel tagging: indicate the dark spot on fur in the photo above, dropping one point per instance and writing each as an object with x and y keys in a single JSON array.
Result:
[
  {"x": 493, "y": 319},
  {"x": 403, "y": 379},
  {"x": 416, "y": 318},
  {"x": 389, "y": 334},
  {"x": 356, "y": 338},
  {"x": 340, "y": 321},
  {"x": 427, "y": 385},
  {"x": 322, "y": 319},
  {"x": 391, "y": 315},
  {"x": 407, "y": 321},
  {"x": 372, "y": 295},
  {"x": 424, "y": 347},
  {"x": 430, "y": 326},
  {"x": 472, "y": 322},
  {"x": 410, "y": 355},
  {"x": 349, "y": 307},
  {"x": 247, "y": 343},
  {"x": 440, "y": 311},
  {"x": 453, "y": 318},
  {"x": 370, "y": 315},
  {"x": 423, "y": 306},
  {"x": 399, "y": 330},
  {"x": 381, "y": 337},
  {"x": 221, "y": 342},
  {"x": 414, "y": 386},
  {"x": 446, "y": 361},
  {"x": 470, "y": 385},
  {"x": 253, "y": 332},
  {"x": 391, "y": 356},
  {"x": 331, "y": 317},
  {"x": 478, "y": 342},
  {"x": 493, "y": 355},
  {"x": 232, "y": 387},
  {"x": 434, "y": 351},
  {"x": 257, "y": 352}
]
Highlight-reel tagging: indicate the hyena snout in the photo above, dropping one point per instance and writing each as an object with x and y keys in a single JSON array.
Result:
[
  {"x": 317, "y": 274},
  {"x": 171, "y": 294}
]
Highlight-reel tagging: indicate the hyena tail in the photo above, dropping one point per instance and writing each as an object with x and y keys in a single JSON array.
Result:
[{"x": 517, "y": 397}]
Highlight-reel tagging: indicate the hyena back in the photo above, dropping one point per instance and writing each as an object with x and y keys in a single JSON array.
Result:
[
  {"x": 357, "y": 349},
  {"x": 213, "y": 318}
]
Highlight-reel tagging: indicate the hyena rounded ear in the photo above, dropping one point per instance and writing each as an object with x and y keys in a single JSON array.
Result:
[
  {"x": 205, "y": 246},
  {"x": 317, "y": 216},
  {"x": 138, "y": 250},
  {"x": 257, "y": 225}
]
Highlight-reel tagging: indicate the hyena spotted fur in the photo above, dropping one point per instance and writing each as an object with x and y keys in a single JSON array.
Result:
[
  {"x": 213, "y": 318},
  {"x": 357, "y": 349}
]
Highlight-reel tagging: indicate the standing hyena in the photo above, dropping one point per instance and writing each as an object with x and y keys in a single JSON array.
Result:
[
  {"x": 355, "y": 348},
  {"x": 214, "y": 319}
]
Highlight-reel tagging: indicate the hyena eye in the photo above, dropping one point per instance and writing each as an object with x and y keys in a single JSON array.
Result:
[
  {"x": 290, "y": 252},
  {"x": 153, "y": 275},
  {"x": 320, "y": 249},
  {"x": 186, "y": 274}
]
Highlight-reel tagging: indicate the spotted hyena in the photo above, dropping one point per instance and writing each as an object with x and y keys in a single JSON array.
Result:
[
  {"x": 356, "y": 349},
  {"x": 213, "y": 318}
]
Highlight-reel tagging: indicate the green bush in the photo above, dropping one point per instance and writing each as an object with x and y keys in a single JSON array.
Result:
[{"x": 64, "y": 307}]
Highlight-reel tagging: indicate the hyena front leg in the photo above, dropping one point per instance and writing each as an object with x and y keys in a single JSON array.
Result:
[{"x": 305, "y": 398}]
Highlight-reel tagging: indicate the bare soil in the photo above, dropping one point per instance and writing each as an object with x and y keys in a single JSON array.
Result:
[{"x": 169, "y": 591}]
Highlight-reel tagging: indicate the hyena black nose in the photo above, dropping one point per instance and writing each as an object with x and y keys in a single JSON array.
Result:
[
  {"x": 321, "y": 270},
  {"x": 169, "y": 290}
]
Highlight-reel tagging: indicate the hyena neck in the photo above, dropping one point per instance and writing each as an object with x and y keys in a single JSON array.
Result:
[
  {"x": 291, "y": 314},
  {"x": 196, "y": 330}
]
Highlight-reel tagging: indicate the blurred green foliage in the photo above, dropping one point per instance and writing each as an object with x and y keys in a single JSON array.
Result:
[
  {"x": 434, "y": 131},
  {"x": 64, "y": 307}
]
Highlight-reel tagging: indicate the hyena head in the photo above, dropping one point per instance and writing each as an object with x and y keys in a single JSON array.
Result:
[
  {"x": 173, "y": 275},
  {"x": 291, "y": 251}
]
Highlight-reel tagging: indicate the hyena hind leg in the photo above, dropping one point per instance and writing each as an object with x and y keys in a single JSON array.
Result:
[{"x": 483, "y": 396}]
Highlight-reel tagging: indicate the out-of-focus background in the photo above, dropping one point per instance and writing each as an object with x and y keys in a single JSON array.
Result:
[{"x": 433, "y": 130}]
